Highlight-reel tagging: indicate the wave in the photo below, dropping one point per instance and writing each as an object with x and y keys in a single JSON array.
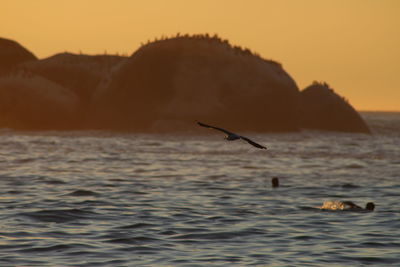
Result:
[
  {"x": 218, "y": 235},
  {"x": 137, "y": 225},
  {"x": 82, "y": 193},
  {"x": 59, "y": 216},
  {"x": 47, "y": 249}
]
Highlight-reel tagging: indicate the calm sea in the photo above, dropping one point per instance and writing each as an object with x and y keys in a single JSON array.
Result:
[{"x": 103, "y": 199}]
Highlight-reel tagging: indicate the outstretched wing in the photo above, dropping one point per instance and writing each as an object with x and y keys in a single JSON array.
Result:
[
  {"x": 213, "y": 127},
  {"x": 252, "y": 142}
]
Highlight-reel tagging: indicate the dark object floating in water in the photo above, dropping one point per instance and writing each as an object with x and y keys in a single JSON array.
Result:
[
  {"x": 346, "y": 205},
  {"x": 275, "y": 182},
  {"x": 350, "y": 186},
  {"x": 82, "y": 193},
  {"x": 232, "y": 136}
]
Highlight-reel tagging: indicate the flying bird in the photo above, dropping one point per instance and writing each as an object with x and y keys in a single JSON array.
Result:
[{"x": 232, "y": 136}]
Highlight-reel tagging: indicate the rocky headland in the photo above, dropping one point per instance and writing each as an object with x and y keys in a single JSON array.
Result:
[{"x": 164, "y": 86}]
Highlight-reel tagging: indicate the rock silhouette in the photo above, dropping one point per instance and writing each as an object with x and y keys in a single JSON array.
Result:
[
  {"x": 12, "y": 54},
  {"x": 31, "y": 102},
  {"x": 164, "y": 86},
  {"x": 323, "y": 109},
  {"x": 81, "y": 74},
  {"x": 167, "y": 84}
]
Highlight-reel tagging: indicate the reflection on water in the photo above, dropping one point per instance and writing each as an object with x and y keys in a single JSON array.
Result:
[{"x": 93, "y": 199}]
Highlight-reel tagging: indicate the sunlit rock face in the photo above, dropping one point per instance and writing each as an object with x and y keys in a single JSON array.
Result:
[
  {"x": 30, "y": 102},
  {"x": 323, "y": 109},
  {"x": 169, "y": 84},
  {"x": 12, "y": 54}
]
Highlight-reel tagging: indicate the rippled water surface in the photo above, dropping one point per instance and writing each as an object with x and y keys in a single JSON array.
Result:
[{"x": 101, "y": 199}]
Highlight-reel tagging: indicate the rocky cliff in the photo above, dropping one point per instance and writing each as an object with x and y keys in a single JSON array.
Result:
[
  {"x": 164, "y": 86},
  {"x": 12, "y": 54},
  {"x": 168, "y": 84},
  {"x": 323, "y": 109}
]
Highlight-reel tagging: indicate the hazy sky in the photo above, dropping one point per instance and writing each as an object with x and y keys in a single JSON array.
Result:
[{"x": 354, "y": 45}]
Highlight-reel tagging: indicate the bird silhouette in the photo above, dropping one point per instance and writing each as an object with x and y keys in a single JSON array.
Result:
[{"x": 230, "y": 136}]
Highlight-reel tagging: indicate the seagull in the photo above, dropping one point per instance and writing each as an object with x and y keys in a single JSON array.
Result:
[{"x": 232, "y": 136}]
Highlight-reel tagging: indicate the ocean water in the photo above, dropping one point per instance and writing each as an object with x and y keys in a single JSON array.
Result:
[{"x": 104, "y": 199}]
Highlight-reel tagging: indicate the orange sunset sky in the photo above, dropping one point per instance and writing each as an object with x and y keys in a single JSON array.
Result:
[{"x": 354, "y": 45}]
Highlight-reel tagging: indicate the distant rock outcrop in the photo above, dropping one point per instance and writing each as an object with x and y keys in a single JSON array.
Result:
[
  {"x": 30, "y": 102},
  {"x": 166, "y": 85},
  {"x": 12, "y": 54},
  {"x": 82, "y": 74},
  {"x": 323, "y": 109}
]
